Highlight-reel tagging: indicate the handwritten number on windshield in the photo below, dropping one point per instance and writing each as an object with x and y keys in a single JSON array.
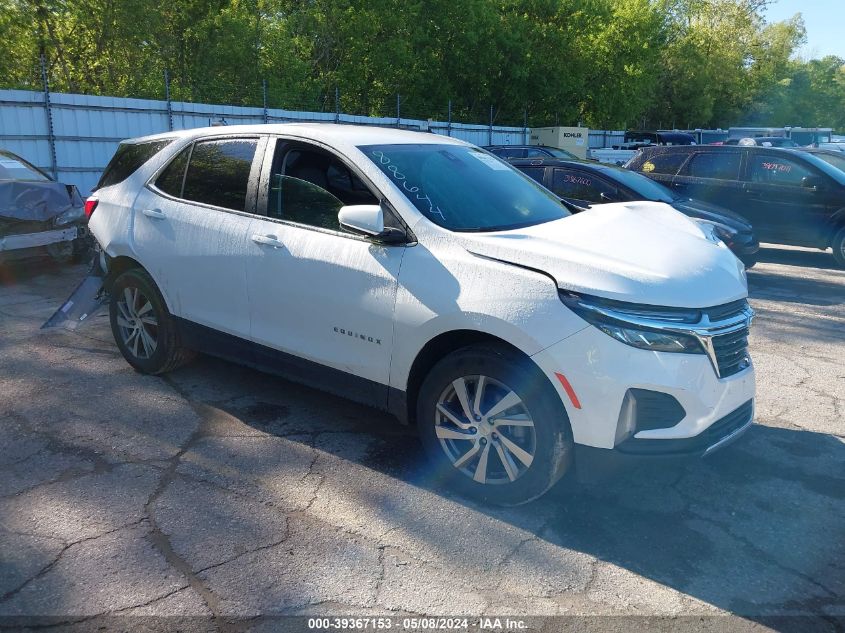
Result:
[{"x": 402, "y": 182}]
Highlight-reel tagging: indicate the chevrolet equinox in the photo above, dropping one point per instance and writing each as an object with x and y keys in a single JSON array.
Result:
[{"x": 424, "y": 276}]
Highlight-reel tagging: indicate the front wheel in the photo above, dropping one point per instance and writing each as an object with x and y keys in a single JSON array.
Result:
[
  {"x": 493, "y": 425},
  {"x": 839, "y": 248},
  {"x": 143, "y": 328}
]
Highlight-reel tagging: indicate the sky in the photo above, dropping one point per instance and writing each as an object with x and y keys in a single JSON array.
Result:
[{"x": 823, "y": 19}]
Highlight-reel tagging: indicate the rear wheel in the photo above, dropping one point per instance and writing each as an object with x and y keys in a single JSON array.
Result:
[
  {"x": 493, "y": 425},
  {"x": 839, "y": 248},
  {"x": 144, "y": 330}
]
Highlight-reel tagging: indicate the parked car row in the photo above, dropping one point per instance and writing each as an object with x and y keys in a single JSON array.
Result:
[
  {"x": 425, "y": 276},
  {"x": 790, "y": 196}
]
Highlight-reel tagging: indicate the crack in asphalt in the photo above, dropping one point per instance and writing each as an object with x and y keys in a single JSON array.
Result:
[
  {"x": 159, "y": 539},
  {"x": 46, "y": 569},
  {"x": 148, "y": 602},
  {"x": 287, "y": 533}
]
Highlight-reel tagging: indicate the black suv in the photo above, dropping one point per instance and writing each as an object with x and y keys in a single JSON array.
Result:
[
  {"x": 789, "y": 196},
  {"x": 585, "y": 183}
]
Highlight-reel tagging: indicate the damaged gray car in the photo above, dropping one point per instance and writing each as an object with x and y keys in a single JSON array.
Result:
[{"x": 39, "y": 216}]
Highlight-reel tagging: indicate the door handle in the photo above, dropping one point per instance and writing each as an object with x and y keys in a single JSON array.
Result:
[
  {"x": 158, "y": 214},
  {"x": 268, "y": 240}
]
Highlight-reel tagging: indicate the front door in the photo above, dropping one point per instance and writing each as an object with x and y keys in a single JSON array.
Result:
[
  {"x": 317, "y": 292},
  {"x": 780, "y": 206},
  {"x": 191, "y": 230}
]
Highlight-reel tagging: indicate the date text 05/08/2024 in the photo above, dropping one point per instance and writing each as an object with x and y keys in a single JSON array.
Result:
[{"x": 416, "y": 624}]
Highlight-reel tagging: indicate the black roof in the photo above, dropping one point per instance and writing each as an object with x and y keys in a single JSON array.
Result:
[
  {"x": 686, "y": 149},
  {"x": 562, "y": 162}
]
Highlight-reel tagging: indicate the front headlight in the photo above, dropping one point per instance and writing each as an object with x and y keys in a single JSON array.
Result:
[
  {"x": 71, "y": 215},
  {"x": 631, "y": 324},
  {"x": 649, "y": 339},
  {"x": 716, "y": 232}
]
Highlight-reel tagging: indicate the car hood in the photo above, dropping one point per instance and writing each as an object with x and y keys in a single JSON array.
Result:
[
  {"x": 712, "y": 212},
  {"x": 23, "y": 200},
  {"x": 641, "y": 252}
]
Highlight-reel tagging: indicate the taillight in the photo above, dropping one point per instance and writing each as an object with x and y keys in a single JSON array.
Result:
[{"x": 90, "y": 205}]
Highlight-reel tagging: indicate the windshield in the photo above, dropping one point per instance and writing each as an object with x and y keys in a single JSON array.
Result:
[
  {"x": 833, "y": 159},
  {"x": 463, "y": 188},
  {"x": 643, "y": 185},
  {"x": 559, "y": 153},
  {"x": 828, "y": 168},
  {"x": 14, "y": 168}
]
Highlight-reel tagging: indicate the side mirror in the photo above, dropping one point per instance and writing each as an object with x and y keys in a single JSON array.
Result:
[
  {"x": 606, "y": 197},
  {"x": 368, "y": 220},
  {"x": 815, "y": 183}
]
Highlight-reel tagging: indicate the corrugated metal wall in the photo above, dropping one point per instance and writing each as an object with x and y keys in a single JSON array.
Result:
[{"x": 87, "y": 129}]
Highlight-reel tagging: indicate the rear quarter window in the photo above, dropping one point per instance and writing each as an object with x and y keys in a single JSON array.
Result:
[
  {"x": 663, "y": 163},
  {"x": 171, "y": 179},
  {"x": 127, "y": 159}
]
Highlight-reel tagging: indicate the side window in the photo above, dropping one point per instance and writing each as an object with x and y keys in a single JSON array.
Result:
[
  {"x": 580, "y": 185},
  {"x": 170, "y": 180},
  {"x": 535, "y": 173},
  {"x": 309, "y": 186},
  {"x": 665, "y": 163},
  {"x": 719, "y": 165},
  {"x": 218, "y": 172},
  {"x": 777, "y": 170}
]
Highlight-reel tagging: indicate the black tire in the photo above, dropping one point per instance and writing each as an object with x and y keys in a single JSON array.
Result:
[
  {"x": 552, "y": 437},
  {"x": 748, "y": 260},
  {"x": 168, "y": 353},
  {"x": 838, "y": 245}
]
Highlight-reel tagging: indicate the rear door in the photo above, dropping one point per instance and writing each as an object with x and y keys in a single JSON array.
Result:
[
  {"x": 191, "y": 228},
  {"x": 713, "y": 177},
  {"x": 781, "y": 208}
]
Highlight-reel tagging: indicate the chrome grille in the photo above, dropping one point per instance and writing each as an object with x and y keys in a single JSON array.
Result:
[
  {"x": 727, "y": 310},
  {"x": 732, "y": 352}
]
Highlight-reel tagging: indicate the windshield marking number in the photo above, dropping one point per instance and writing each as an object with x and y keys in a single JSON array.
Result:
[{"x": 400, "y": 179}]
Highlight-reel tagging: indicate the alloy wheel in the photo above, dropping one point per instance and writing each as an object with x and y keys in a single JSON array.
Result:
[
  {"x": 137, "y": 323},
  {"x": 485, "y": 430}
]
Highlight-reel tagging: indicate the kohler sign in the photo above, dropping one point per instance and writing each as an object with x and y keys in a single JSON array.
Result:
[{"x": 572, "y": 139}]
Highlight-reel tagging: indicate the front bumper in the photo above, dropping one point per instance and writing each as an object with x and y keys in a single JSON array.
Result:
[
  {"x": 745, "y": 246},
  {"x": 593, "y": 372},
  {"x": 42, "y": 238}
]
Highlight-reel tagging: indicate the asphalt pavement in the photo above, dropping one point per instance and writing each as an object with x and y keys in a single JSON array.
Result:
[{"x": 221, "y": 492}]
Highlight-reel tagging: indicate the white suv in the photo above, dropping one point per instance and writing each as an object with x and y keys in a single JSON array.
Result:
[{"x": 422, "y": 275}]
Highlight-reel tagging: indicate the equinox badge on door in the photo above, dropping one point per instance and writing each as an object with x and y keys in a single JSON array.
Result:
[{"x": 358, "y": 335}]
